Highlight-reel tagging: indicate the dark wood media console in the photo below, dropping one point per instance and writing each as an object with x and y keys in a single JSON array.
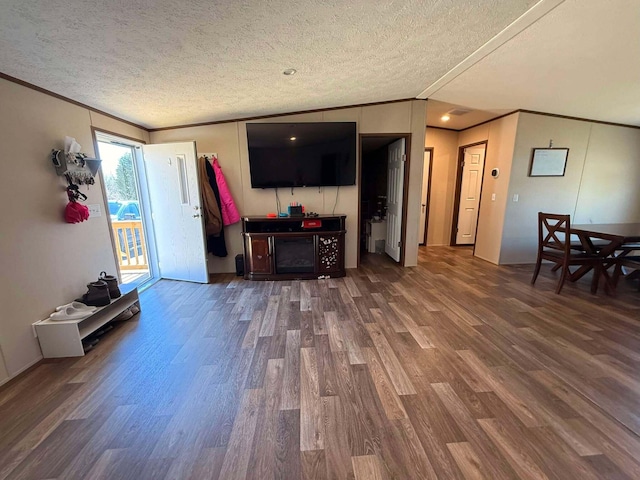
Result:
[{"x": 288, "y": 248}]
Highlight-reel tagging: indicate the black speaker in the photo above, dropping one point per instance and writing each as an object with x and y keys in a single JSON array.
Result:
[{"x": 240, "y": 265}]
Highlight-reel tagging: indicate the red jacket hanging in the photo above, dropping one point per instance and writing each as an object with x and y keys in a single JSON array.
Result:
[{"x": 230, "y": 214}]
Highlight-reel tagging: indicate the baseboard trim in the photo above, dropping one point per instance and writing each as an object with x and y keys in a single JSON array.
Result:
[
  {"x": 485, "y": 259},
  {"x": 22, "y": 370}
]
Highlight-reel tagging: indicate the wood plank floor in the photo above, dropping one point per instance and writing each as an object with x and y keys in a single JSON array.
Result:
[{"x": 456, "y": 369}]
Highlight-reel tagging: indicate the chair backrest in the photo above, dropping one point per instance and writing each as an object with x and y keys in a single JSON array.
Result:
[{"x": 554, "y": 231}]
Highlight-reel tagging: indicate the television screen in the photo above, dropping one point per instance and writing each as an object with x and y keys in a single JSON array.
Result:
[{"x": 302, "y": 154}]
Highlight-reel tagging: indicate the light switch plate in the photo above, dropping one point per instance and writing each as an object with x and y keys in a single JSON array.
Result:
[
  {"x": 493, "y": 197},
  {"x": 94, "y": 210},
  {"x": 516, "y": 197}
]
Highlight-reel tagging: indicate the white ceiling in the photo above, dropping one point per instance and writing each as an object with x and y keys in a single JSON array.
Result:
[
  {"x": 582, "y": 59},
  {"x": 168, "y": 63}
]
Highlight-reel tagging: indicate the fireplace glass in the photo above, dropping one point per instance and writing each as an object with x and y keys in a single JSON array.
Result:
[{"x": 294, "y": 255}]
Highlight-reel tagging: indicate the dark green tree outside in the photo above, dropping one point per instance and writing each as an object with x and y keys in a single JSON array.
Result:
[{"x": 122, "y": 185}]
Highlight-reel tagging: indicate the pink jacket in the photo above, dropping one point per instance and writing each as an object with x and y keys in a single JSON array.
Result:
[{"x": 230, "y": 214}]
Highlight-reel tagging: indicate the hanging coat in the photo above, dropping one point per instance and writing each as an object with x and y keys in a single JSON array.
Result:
[
  {"x": 215, "y": 243},
  {"x": 210, "y": 207},
  {"x": 230, "y": 214}
]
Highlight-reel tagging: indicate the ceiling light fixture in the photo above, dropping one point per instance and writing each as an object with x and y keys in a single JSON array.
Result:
[
  {"x": 290, "y": 71},
  {"x": 445, "y": 118},
  {"x": 292, "y": 138}
]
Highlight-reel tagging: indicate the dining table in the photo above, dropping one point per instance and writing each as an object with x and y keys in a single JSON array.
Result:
[{"x": 609, "y": 241}]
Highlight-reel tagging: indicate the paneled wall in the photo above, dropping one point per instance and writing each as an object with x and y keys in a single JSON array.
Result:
[
  {"x": 600, "y": 184},
  {"x": 443, "y": 184},
  {"x": 4, "y": 375},
  {"x": 45, "y": 261},
  {"x": 610, "y": 185},
  {"x": 229, "y": 141},
  {"x": 500, "y": 137}
]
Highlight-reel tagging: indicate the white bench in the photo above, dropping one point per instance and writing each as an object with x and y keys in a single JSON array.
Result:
[{"x": 63, "y": 338}]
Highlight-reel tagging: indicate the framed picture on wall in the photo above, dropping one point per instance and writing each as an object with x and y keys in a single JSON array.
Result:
[{"x": 548, "y": 162}]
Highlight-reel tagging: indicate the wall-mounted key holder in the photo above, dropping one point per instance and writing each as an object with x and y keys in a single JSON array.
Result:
[{"x": 78, "y": 168}]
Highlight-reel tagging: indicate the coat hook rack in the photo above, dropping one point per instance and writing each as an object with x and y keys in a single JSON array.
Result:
[{"x": 77, "y": 167}]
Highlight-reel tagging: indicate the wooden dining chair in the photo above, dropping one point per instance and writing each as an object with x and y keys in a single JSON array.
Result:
[
  {"x": 554, "y": 244},
  {"x": 630, "y": 262}
]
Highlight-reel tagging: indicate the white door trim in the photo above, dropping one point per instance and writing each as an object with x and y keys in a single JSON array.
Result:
[{"x": 104, "y": 136}]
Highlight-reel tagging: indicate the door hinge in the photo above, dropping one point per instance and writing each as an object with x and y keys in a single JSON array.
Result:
[
  {"x": 462, "y": 164},
  {"x": 404, "y": 157},
  {"x": 399, "y": 244}
]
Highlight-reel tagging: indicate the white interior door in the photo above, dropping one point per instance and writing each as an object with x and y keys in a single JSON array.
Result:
[
  {"x": 425, "y": 194},
  {"x": 174, "y": 192},
  {"x": 395, "y": 190},
  {"x": 471, "y": 185}
]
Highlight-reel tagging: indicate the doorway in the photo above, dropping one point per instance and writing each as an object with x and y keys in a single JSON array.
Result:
[
  {"x": 427, "y": 169},
  {"x": 173, "y": 181},
  {"x": 471, "y": 159},
  {"x": 131, "y": 234},
  {"x": 156, "y": 217},
  {"x": 383, "y": 178}
]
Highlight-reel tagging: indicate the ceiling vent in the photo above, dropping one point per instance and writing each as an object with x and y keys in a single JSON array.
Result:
[{"x": 459, "y": 111}]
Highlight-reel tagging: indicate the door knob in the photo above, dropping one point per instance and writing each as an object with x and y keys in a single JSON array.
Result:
[
  {"x": 196, "y": 215},
  {"x": 196, "y": 207}
]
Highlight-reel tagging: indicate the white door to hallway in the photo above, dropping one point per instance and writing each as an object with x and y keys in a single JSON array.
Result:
[
  {"x": 174, "y": 191},
  {"x": 422, "y": 229},
  {"x": 395, "y": 190},
  {"x": 470, "y": 188}
]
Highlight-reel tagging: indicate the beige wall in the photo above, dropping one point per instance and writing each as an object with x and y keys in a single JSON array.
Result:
[
  {"x": 547, "y": 194},
  {"x": 229, "y": 141},
  {"x": 418, "y": 131},
  {"x": 443, "y": 184},
  {"x": 600, "y": 184},
  {"x": 45, "y": 261},
  {"x": 500, "y": 135},
  {"x": 4, "y": 375},
  {"x": 610, "y": 187}
]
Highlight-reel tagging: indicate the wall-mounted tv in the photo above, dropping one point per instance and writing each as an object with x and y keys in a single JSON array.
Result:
[{"x": 302, "y": 154}]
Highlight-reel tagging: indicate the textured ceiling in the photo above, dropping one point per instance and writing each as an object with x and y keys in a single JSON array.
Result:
[
  {"x": 582, "y": 59},
  {"x": 161, "y": 63}
]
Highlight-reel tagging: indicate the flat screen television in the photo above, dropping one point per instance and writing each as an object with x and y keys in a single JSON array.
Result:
[{"x": 302, "y": 154}]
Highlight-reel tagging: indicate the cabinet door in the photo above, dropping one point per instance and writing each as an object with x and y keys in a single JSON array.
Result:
[
  {"x": 330, "y": 253},
  {"x": 260, "y": 255}
]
